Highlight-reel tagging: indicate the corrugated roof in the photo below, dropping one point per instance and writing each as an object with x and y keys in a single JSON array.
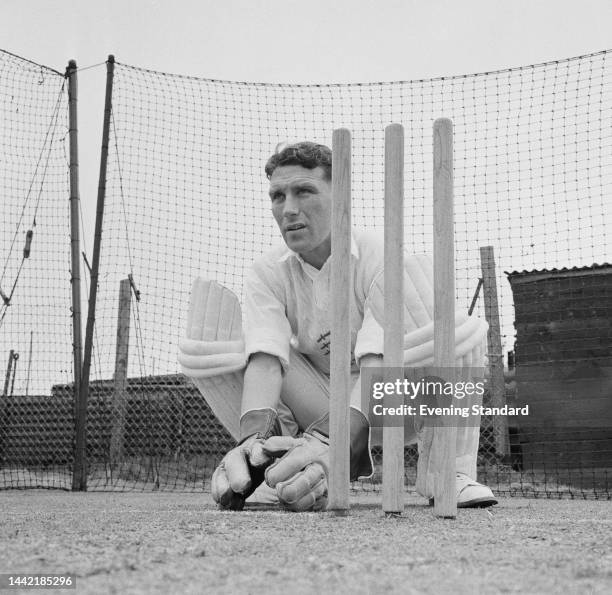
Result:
[{"x": 565, "y": 271}]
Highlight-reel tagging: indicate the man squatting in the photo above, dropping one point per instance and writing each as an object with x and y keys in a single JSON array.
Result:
[{"x": 284, "y": 419}]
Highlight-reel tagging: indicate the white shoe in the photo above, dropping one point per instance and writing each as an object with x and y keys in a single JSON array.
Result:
[{"x": 471, "y": 494}]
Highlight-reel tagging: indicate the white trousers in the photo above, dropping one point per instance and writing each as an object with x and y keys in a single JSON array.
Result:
[{"x": 305, "y": 398}]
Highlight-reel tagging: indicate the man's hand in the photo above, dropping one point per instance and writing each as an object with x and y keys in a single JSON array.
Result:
[
  {"x": 300, "y": 476},
  {"x": 240, "y": 473}
]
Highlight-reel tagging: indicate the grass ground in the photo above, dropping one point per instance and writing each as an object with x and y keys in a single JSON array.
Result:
[{"x": 180, "y": 543}]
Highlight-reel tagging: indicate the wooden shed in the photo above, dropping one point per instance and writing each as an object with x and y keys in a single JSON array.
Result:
[{"x": 563, "y": 349}]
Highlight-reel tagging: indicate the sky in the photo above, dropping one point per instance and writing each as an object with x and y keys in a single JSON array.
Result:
[
  {"x": 319, "y": 41},
  {"x": 315, "y": 41}
]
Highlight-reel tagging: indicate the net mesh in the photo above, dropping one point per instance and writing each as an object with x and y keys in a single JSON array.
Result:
[
  {"x": 36, "y": 425},
  {"x": 187, "y": 197}
]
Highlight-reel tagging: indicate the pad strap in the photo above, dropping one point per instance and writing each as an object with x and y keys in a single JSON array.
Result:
[{"x": 202, "y": 359}]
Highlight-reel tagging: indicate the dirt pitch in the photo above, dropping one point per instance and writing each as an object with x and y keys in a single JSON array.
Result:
[{"x": 179, "y": 543}]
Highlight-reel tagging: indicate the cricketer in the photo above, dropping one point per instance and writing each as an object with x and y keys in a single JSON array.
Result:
[{"x": 278, "y": 407}]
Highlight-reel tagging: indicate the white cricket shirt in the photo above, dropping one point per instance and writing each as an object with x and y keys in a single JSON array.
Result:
[{"x": 287, "y": 304}]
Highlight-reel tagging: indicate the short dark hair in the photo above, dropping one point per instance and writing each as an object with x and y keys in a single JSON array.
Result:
[{"x": 307, "y": 154}]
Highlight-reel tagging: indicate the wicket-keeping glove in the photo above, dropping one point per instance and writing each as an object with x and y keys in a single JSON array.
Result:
[
  {"x": 242, "y": 469},
  {"x": 300, "y": 476}
]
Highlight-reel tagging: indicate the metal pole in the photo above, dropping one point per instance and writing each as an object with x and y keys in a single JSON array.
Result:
[
  {"x": 79, "y": 477},
  {"x": 7, "y": 378},
  {"x": 475, "y": 298},
  {"x": 75, "y": 251}
]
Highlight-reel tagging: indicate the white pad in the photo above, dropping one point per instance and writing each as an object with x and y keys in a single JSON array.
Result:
[
  {"x": 470, "y": 341},
  {"x": 469, "y": 336},
  {"x": 418, "y": 317},
  {"x": 212, "y": 351},
  {"x": 213, "y": 344}
]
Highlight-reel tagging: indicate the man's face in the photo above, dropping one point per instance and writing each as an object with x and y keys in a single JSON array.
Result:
[{"x": 301, "y": 204}]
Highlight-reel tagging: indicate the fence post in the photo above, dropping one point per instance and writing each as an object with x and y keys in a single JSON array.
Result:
[
  {"x": 120, "y": 378},
  {"x": 79, "y": 474},
  {"x": 494, "y": 349},
  {"x": 75, "y": 250}
]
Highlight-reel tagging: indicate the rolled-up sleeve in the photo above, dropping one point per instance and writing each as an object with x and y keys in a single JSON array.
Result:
[{"x": 266, "y": 329}]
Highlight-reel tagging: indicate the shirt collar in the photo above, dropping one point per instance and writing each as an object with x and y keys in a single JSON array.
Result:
[{"x": 288, "y": 252}]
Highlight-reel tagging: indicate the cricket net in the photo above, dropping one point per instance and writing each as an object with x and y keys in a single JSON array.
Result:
[
  {"x": 36, "y": 428},
  {"x": 186, "y": 196}
]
